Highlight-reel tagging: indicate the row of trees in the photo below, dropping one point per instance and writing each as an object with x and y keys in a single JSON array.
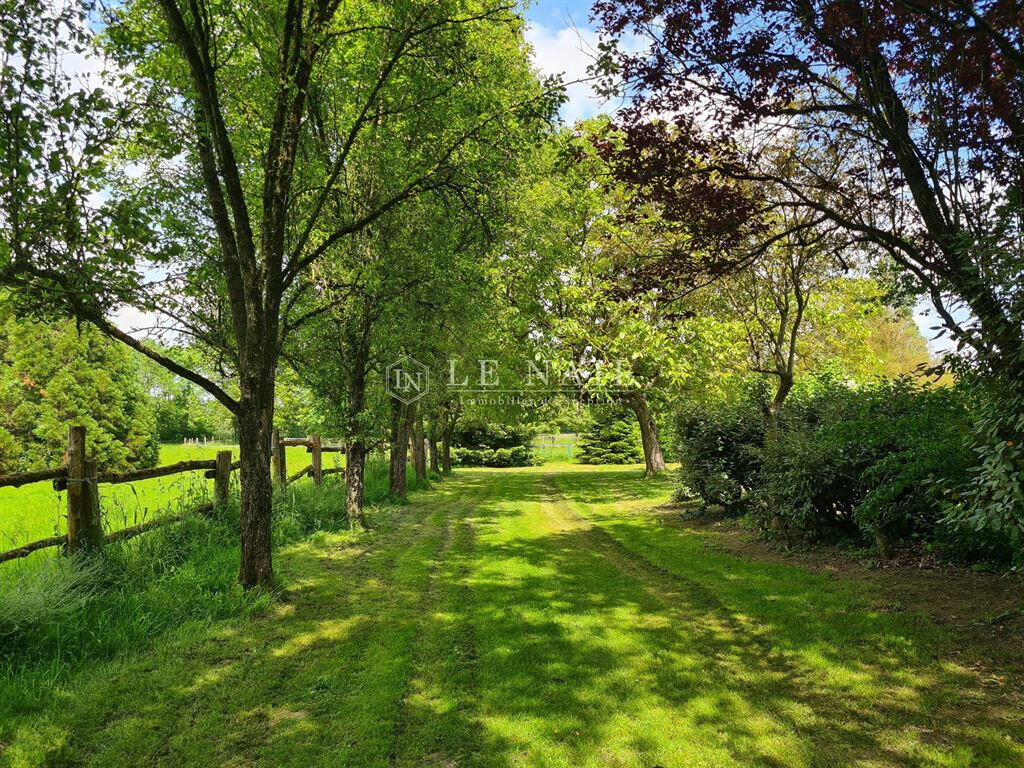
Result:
[
  {"x": 307, "y": 192},
  {"x": 240, "y": 170}
]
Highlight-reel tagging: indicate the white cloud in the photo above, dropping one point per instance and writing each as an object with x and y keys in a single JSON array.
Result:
[
  {"x": 131, "y": 320},
  {"x": 568, "y": 51}
]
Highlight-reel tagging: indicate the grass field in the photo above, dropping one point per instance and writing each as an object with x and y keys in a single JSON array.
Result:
[
  {"x": 538, "y": 617},
  {"x": 36, "y": 511},
  {"x": 554, "y": 448}
]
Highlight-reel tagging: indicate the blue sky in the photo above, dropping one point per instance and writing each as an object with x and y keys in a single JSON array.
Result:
[
  {"x": 556, "y": 12},
  {"x": 564, "y": 41}
]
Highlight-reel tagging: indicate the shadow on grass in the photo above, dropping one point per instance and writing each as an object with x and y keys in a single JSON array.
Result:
[{"x": 525, "y": 618}]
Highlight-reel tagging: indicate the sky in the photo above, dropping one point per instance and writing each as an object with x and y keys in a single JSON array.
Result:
[{"x": 564, "y": 41}]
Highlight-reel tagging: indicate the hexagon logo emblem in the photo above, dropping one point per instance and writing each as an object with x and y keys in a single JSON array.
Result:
[{"x": 407, "y": 379}]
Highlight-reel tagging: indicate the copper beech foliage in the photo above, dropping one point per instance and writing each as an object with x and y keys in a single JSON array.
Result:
[{"x": 917, "y": 105}]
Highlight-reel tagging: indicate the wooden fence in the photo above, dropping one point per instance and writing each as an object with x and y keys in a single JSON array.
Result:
[{"x": 81, "y": 480}]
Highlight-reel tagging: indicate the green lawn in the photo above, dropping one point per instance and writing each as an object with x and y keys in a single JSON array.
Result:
[
  {"x": 36, "y": 511},
  {"x": 535, "y": 617},
  {"x": 554, "y": 447}
]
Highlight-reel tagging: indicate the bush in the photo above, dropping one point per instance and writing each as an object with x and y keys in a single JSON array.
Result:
[
  {"x": 476, "y": 434},
  {"x": 719, "y": 450},
  {"x": 516, "y": 456},
  {"x": 53, "y": 376},
  {"x": 479, "y": 444},
  {"x": 611, "y": 437},
  {"x": 876, "y": 463},
  {"x": 989, "y": 509},
  {"x": 9, "y": 452}
]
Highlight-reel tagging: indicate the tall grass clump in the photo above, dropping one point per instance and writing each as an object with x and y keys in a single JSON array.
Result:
[{"x": 61, "y": 610}]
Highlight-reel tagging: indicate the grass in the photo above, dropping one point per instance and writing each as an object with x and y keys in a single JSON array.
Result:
[
  {"x": 555, "y": 447},
  {"x": 533, "y": 617},
  {"x": 60, "y": 613},
  {"x": 37, "y": 511}
]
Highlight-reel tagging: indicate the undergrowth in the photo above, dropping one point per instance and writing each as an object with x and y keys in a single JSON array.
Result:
[{"x": 58, "y": 612}]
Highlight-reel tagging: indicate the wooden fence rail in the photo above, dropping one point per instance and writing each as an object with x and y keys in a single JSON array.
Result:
[
  {"x": 81, "y": 481},
  {"x": 18, "y": 479},
  {"x": 61, "y": 483}
]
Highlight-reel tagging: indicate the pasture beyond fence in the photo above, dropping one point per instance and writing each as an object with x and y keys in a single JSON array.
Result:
[{"x": 81, "y": 481}]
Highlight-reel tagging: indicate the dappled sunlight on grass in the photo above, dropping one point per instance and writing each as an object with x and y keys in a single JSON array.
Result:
[{"x": 536, "y": 617}]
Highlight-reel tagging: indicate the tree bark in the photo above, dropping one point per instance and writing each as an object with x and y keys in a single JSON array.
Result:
[
  {"x": 355, "y": 469},
  {"x": 446, "y": 442},
  {"x": 774, "y": 408},
  {"x": 399, "y": 449},
  {"x": 432, "y": 446},
  {"x": 654, "y": 458},
  {"x": 255, "y": 424},
  {"x": 419, "y": 454},
  {"x": 358, "y": 349}
]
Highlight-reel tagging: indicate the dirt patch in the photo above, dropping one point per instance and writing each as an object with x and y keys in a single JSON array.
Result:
[{"x": 985, "y": 609}]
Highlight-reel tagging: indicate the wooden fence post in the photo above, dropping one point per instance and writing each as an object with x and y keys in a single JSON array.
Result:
[
  {"x": 91, "y": 533},
  {"x": 222, "y": 478},
  {"x": 318, "y": 467},
  {"x": 77, "y": 488},
  {"x": 277, "y": 458}
]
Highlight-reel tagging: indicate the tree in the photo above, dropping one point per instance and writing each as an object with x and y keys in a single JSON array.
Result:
[
  {"x": 413, "y": 284},
  {"x": 257, "y": 119},
  {"x": 184, "y": 410},
  {"x": 606, "y": 342},
  {"x": 610, "y": 438},
  {"x": 896, "y": 343},
  {"x": 57, "y": 375},
  {"x": 920, "y": 106},
  {"x": 772, "y": 298}
]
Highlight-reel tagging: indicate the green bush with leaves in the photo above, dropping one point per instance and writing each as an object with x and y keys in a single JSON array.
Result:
[
  {"x": 479, "y": 434},
  {"x": 611, "y": 437},
  {"x": 516, "y": 456},
  {"x": 719, "y": 450},
  {"x": 483, "y": 444},
  {"x": 990, "y": 506},
  {"x": 872, "y": 463}
]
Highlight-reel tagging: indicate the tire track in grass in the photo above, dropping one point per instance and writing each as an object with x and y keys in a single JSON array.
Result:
[
  {"x": 851, "y": 686},
  {"x": 564, "y": 676},
  {"x": 438, "y": 728}
]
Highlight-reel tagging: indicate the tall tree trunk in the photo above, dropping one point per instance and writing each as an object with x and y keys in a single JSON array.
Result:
[
  {"x": 399, "y": 448},
  {"x": 654, "y": 459},
  {"x": 774, "y": 408},
  {"x": 446, "y": 441},
  {"x": 355, "y": 469},
  {"x": 255, "y": 423},
  {"x": 358, "y": 352},
  {"x": 419, "y": 454},
  {"x": 432, "y": 446},
  {"x": 771, "y": 437}
]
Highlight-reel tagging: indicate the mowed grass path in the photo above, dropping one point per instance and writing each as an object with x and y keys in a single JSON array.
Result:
[
  {"x": 36, "y": 511},
  {"x": 536, "y": 617}
]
